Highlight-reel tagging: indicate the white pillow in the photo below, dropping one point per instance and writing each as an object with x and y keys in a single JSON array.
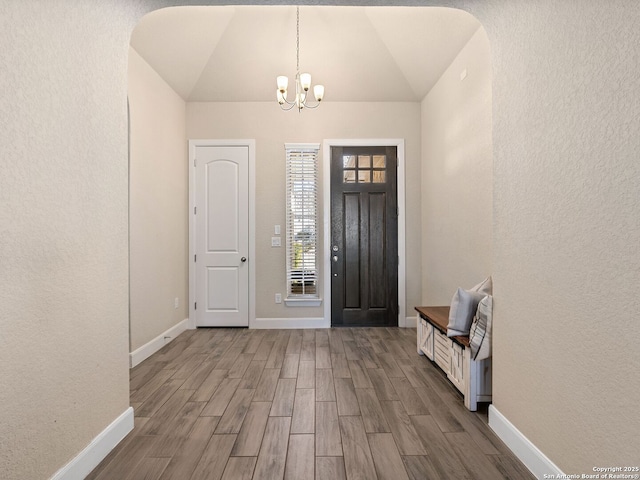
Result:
[
  {"x": 480, "y": 334},
  {"x": 463, "y": 306},
  {"x": 485, "y": 286}
]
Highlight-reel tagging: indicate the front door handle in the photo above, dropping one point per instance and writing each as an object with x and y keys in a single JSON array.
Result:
[
  {"x": 243, "y": 259},
  {"x": 335, "y": 258}
]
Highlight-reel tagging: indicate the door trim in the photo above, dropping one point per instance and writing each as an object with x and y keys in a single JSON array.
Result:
[
  {"x": 251, "y": 145},
  {"x": 326, "y": 205}
]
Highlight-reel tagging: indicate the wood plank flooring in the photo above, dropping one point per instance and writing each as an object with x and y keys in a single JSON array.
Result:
[{"x": 337, "y": 404}]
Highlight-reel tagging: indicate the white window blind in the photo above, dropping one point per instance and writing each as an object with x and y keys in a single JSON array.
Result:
[{"x": 302, "y": 194}]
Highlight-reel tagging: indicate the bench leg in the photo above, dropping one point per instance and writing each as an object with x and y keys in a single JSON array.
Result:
[
  {"x": 471, "y": 387},
  {"x": 419, "y": 335}
]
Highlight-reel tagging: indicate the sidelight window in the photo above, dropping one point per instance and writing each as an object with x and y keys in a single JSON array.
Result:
[{"x": 301, "y": 233}]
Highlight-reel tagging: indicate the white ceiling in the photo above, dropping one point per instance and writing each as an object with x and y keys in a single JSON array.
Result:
[{"x": 359, "y": 53}]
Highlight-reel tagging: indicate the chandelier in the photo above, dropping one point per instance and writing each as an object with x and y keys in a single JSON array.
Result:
[{"x": 302, "y": 80}]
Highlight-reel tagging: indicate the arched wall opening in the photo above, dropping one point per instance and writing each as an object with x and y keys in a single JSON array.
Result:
[{"x": 443, "y": 116}]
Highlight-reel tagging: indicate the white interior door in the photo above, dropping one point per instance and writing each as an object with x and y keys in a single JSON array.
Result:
[{"x": 221, "y": 236}]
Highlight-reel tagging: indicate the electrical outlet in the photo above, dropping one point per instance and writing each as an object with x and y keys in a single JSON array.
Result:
[
  {"x": 278, "y": 298},
  {"x": 176, "y": 302}
]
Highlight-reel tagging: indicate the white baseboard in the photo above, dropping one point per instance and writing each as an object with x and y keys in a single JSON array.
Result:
[
  {"x": 98, "y": 449},
  {"x": 409, "y": 322},
  {"x": 536, "y": 461},
  {"x": 139, "y": 355},
  {"x": 283, "y": 323}
]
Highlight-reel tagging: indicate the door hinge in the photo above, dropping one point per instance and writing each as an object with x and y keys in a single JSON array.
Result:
[
  {"x": 194, "y": 162},
  {"x": 194, "y": 258},
  {"x": 195, "y": 306},
  {"x": 195, "y": 210}
]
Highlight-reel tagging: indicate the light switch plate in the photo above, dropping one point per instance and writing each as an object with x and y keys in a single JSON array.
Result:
[
  {"x": 275, "y": 241},
  {"x": 276, "y": 230}
]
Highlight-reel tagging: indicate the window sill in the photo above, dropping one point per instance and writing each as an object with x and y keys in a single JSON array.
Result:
[{"x": 302, "y": 302}]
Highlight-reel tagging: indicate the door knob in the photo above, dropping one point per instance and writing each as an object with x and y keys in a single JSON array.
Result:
[{"x": 243, "y": 259}]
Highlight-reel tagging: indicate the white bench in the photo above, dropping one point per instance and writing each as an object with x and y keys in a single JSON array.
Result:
[{"x": 453, "y": 356}]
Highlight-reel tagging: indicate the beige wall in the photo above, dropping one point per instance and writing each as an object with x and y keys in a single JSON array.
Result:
[
  {"x": 566, "y": 139},
  {"x": 272, "y": 128},
  {"x": 158, "y": 189},
  {"x": 457, "y": 176}
]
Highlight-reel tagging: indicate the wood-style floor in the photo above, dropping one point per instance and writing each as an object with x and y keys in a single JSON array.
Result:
[{"x": 239, "y": 404}]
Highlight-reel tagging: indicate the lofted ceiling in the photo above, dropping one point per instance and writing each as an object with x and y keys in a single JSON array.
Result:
[{"x": 363, "y": 54}]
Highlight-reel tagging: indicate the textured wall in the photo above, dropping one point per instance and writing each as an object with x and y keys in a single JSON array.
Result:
[
  {"x": 63, "y": 230},
  {"x": 158, "y": 188},
  {"x": 457, "y": 176},
  {"x": 567, "y": 227},
  {"x": 272, "y": 128},
  {"x": 566, "y": 139}
]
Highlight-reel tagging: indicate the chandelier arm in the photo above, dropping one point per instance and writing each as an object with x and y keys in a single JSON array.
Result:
[
  {"x": 306, "y": 105},
  {"x": 291, "y": 105},
  {"x": 287, "y": 102}
]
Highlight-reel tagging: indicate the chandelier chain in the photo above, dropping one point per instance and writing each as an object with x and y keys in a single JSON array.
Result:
[{"x": 297, "y": 39}]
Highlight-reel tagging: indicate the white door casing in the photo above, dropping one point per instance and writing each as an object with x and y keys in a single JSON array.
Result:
[{"x": 221, "y": 245}]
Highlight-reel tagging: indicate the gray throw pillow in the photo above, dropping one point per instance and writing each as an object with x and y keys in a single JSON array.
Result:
[
  {"x": 463, "y": 306},
  {"x": 480, "y": 334}
]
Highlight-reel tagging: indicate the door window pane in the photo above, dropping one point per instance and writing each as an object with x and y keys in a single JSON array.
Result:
[
  {"x": 379, "y": 176},
  {"x": 364, "y": 176},
  {"x": 349, "y": 161},
  {"x": 349, "y": 176},
  {"x": 364, "y": 161},
  {"x": 379, "y": 161}
]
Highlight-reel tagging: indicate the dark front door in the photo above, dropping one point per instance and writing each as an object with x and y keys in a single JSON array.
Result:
[{"x": 364, "y": 236}]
